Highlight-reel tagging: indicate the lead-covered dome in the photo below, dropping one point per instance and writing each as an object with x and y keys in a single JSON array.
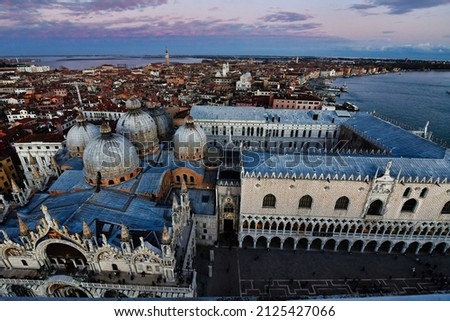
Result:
[
  {"x": 189, "y": 141},
  {"x": 139, "y": 127},
  {"x": 163, "y": 122},
  {"x": 110, "y": 158},
  {"x": 80, "y": 135}
]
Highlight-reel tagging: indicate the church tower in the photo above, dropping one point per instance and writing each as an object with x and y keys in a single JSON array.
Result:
[{"x": 166, "y": 58}]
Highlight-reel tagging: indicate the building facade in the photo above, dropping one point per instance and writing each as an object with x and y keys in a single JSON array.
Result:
[
  {"x": 36, "y": 153},
  {"x": 377, "y": 211},
  {"x": 266, "y": 129},
  {"x": 330, "y": 180}
]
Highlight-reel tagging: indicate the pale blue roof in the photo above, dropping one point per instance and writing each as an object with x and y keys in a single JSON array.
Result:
[
  {"x": 150, "y": 183},
  {"x": 398, "y": 141},
  {"x": 107, "y": 206},
  {"x": 70, "y": 180},
  {"x": 259, "y": 114},
  {"x": 74, "y": 163},
  {"x": 334, "y": 166}
]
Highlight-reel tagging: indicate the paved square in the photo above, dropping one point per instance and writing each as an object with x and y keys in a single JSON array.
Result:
[{"x": 288, "y": 274}]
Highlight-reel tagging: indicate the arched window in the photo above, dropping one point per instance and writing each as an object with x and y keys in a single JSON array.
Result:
[
  {"x": 342, "y": 203},
  {"x": 407, "y": 192},
  {"x": 228, "y": 208},
  {"x": 269, "y": 200},
  {"x": 305, "y": 202},
  {"x": 446, "y": 208},
  {"x": 375, "y": 208},
  {"x": 409, "y": 206},
  {"x": 424, "y": 193}
]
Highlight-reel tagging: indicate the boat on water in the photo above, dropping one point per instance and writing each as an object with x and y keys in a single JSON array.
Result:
[
  {"x": 350, "y": 107},
  {"x": 344, "y": 88}
]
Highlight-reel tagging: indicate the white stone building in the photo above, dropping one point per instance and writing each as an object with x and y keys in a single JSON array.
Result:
[
  {"x": 329, "y": 180},
  {"x": 36, "y": 153}
]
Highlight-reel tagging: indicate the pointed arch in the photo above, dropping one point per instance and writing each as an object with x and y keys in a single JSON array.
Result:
[
  {"x": 305, "y": 202},
  {"x": 407, "y": 192},
  {"x": 269, "y": 201},
  {"x": 424, "y": 192},
  {"x": 409, "y": 206},
  {"x": 342, "y": 203},
  {"x": 375, "y": 208},
  {"x": 446, "y": 208}
]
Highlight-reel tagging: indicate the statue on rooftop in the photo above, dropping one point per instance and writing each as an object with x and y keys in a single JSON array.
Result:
[{"x": 47, "y": 216}]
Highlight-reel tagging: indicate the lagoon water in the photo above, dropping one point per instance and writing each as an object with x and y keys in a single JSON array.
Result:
[
  {"x": 83, "y": 62},
  {"x": 411, "y": 98}
]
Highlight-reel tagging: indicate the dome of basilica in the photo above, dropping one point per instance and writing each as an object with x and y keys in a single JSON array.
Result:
[
  {"x": 163, "y": 122},
  {"x": 110, "y": 158},
  {"x": 80, "y": 135},
  {"x": 189, "y": 141},
  {"x": 139, "y": 127}
]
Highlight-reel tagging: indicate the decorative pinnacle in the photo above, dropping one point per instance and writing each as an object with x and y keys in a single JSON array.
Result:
[
  {"x": 86, "y": 230},
  {"x": 23, "y": 229},
  {"x": 165, "y": 235},
  {"x": 80, "y": 119},
  {"x": 183, "y": 186},
  {"x": 124, "y": 234},
  {"x": 15, "y": 187}
]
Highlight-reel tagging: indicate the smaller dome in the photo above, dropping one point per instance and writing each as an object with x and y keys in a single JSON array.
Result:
[
  {"x": 189, "y": 141},
  {"x": 80, "y": 135},
  {"x": 133, "y": 103},
  {"x": 139, "y": 127},
  {"x": 163, "y": 122}
]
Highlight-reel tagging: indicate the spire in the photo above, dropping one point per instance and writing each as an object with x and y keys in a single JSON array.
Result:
[
  {"x": 15, "y": 187},
  {"x": 183, "y": 186},
  {"x": 80, "y": 119},
  {"x": 47, "y": 216},
  {"x": 174, "y": 203},
  {"x": 165, "y": 235},
  {"x": 124, "y": 234},
  {"x": 23, "y": 229},
  {"x": 87, "y": 234},
  {"x": 166, "y": 58}
]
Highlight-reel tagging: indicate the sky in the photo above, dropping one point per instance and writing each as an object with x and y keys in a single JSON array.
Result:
[{"x": 414, "y": 29}]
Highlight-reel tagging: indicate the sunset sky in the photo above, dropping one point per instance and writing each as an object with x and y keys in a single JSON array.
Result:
[{"x": 346, "y": 28}]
